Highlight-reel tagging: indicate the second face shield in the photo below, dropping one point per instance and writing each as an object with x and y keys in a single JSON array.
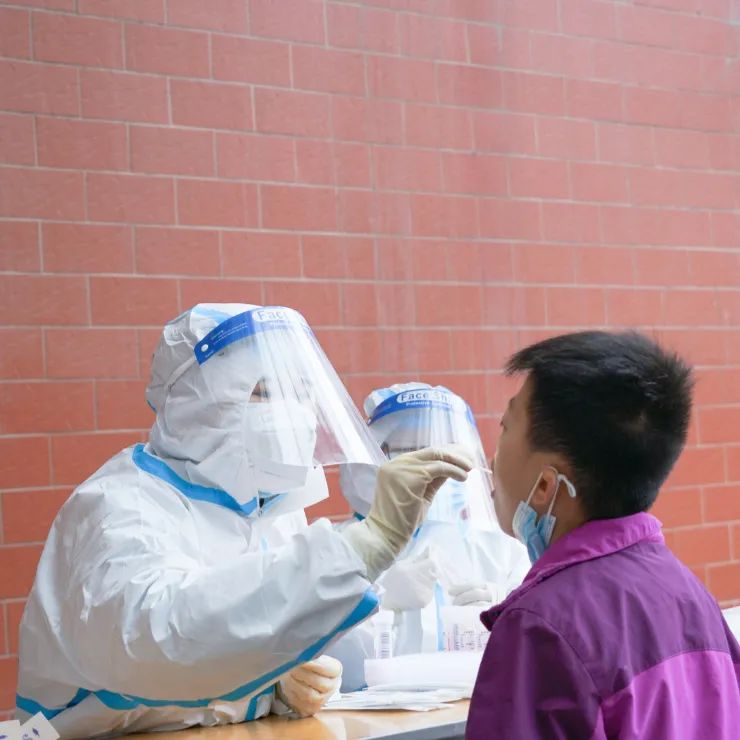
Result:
[{"x": 414, "y": 416}]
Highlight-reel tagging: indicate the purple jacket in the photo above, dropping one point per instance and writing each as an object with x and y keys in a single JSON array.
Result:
[{"x": 609, "y": 636}]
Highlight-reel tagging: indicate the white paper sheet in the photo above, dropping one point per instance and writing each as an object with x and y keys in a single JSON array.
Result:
[
  {"x": 10, "y": 730},
  {"x": 412, "y": 701},
  {"x": 732, "y": 617},
  {"x": 36, "y": 728},
  {"x": 437, "y": 670}
]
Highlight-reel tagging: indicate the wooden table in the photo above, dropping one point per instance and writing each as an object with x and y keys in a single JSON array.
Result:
[{"x": 438, "y": 724}]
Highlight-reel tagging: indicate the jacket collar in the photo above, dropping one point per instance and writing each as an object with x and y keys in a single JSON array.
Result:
[{"x": 592, "y": 540}]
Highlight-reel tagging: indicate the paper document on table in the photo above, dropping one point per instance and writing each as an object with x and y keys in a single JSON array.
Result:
[
  {"x": 432, "y": 670},
  {"x": 411, "y": 701},
  {"x": 732, "y": 617},
  {"x": 10, "y": 730},
  {"x": 36, "y": 728},
  {"x": 465, "y": 690}
]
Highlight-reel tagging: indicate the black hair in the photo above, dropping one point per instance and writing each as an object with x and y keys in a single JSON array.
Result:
[{"x": 616, "y": 406}]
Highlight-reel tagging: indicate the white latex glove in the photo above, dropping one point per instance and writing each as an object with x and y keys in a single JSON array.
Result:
[
  {"x": 483, "y": 594},
  {"x": 309, "y": 686},
  {"x": 404, "y": 490},
  {"x": 409, "y": 583}
]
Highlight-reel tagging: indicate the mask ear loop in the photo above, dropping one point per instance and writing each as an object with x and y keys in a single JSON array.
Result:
[
  {"x": 568, "y": 487},
  {"x": 534, "y": 488}
]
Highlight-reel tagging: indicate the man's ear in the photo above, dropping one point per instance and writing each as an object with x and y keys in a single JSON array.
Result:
[{"x": 545, "y": 489}]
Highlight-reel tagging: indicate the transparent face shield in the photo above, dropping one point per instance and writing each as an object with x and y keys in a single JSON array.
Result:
[
  {"x": 411, "y": 420},
  {"x": 466, "y": 505},
  {"x": 431, "y": 417},
  {"x": 296, "y": 415},
  {"x": 425, "y": 417}
]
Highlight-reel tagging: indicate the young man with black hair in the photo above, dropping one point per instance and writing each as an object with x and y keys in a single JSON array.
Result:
[{"x": 609, "y": 636}]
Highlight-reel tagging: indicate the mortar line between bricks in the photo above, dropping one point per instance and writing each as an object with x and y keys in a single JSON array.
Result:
[
  {"x": 496, "y": 110},
  {"x": 644, "y": 287},
  {"x": 498, "y": 68},
  {"x": 492, "y": 241},
  {"x": 44, "y": 353},
  {"x": 623, "y": 85},
  {"x": 484, "y": 415},
  {"x": 489, "y": 371},
  {"x": 505, "y": 158},
  {"x": 690, "y": 15},
  {"x": 511, "y": 239},
  {"x": 6, "y": 627},
  {"x": 52, "y": 471}
]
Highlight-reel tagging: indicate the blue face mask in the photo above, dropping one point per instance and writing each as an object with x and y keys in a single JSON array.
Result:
[{"x": 533, "y": 533}]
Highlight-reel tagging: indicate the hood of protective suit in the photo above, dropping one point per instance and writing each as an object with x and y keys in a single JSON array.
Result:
[
  {"x": 192, "y": 422},
  {"x": 206, "y": 429},
  {"x": 199, "y": 423}
]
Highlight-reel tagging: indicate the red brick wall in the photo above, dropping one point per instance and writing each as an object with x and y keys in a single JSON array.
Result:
[{"x": 433, "y": 182}]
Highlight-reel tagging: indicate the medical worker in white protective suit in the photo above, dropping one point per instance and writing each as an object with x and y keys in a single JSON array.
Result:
[
  {"x": 180, "y": 584},
  {"x": 459, "y": 556}
]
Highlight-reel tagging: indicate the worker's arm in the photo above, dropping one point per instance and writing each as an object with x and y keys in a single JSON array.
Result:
[
  {"x": 143, "y": 619},
  {"x": 532, "y": 684}
]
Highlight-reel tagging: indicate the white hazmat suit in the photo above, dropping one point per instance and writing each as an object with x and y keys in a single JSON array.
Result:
[{"x": 180, "y": 584}]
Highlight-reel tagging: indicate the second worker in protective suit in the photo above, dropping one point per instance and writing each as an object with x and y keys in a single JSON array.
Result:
[
  {"x": 458, "y": 557},
  {"x": 180, "y": 584}
]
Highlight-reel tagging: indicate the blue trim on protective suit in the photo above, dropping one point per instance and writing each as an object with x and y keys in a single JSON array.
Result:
[
  {"x": 127, "y": 702},
  {"x": 33, "y": 707},
  {"x": 252, "y": 708},
  {"x": 158, "y": 468}
]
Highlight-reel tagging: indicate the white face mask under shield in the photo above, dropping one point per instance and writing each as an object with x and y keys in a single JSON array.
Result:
[
  {"x": 272, "y": 455},
  {"x": 280, "y": 438}
]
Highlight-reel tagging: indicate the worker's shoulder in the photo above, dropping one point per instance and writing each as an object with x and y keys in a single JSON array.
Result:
[
  {"x": 117, "y": 486},
  {"x": 117, "y": 468}
]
